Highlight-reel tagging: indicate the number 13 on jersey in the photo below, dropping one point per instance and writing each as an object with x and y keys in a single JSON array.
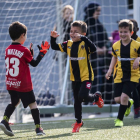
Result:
[{"x": 14, "y": 70}]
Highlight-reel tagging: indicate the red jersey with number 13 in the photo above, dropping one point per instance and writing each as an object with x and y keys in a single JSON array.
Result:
[{"x": 18, "y": 75}]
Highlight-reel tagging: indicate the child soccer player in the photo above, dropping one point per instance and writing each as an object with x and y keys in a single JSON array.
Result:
[
  {"x": 18, "y": 78},
  {"x": 78, "y": 49},
  {"x": 125, "y": 52},
  {"x": 136, "y": 92}
]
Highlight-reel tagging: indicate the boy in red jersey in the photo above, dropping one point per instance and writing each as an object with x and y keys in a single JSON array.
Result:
[{"x": 18, "y": 78}]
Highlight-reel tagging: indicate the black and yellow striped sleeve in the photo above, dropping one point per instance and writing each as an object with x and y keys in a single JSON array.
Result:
[
  {"x": 59, "y": 47},
  {"x": 89, "y": 43},
  {"x": 63, "y": 46},
  {"x": 113, "y": 52}
]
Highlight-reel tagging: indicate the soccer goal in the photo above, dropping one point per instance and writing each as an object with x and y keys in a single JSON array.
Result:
[{"x": 50, "y": 78}]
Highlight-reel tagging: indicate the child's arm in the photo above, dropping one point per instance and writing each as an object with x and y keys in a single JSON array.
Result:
[
  {"x": 60, "y": 47},
  {"x": 31, "y": 49},
  {"x": 111, "y": 67},
  {"x": 43, "y": 50},
  {"x": 87, "y": 41},
  {"x": 136, "y": 63},
  {"x": 54, "y": 45}
]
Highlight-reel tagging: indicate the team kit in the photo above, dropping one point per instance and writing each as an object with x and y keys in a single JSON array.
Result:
[{"x": 124, "y": 63}]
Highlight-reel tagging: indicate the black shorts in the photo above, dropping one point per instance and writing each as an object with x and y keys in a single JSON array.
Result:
[
  {"x": 81, "y": 88},
  {"x": 26, "y": 97},
  {"x": 125, "y": 87}
]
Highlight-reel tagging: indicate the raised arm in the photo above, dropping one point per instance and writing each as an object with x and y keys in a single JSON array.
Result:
[
  {"x": 89, "y": 43},
  {"x": 54, "y": 45},
  {"x": 43, "y": 50}
]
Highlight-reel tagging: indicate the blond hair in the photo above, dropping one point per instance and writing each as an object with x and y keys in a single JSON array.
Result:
[{"x": 68, "y": 7}]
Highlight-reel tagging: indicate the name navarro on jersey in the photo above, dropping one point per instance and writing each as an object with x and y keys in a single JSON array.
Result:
[
  {"x": 11, "y": 83},
  {"x": 76, "y": 58},
  {"x": 15, "y": 52}
]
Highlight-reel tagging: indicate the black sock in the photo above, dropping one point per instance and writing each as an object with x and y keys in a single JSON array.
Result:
[
  {"x": 93, "y": 97},
  {"x": 35, "y": 114},
  {"x": 8, "y": 112},
  {"x": 121, "y": 112},
  {"x": 128, "y": 104},
  {"x": 78, "y": 121}
]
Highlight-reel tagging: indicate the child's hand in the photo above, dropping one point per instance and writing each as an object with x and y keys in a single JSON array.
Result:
[
  {"x": 77, "y": 35},
  {"x": 44, "y": 47},
  {"x": 136, "y": 63},
  {"x": 31, "y": 49},
  {"x": 54, "y": 34},
  {"x": 108, "y": 74}
]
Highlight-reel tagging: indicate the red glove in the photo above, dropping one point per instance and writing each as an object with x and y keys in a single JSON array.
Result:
[
  {"x": 44, "y": 47},
  {"x": 31, "y": 49}
]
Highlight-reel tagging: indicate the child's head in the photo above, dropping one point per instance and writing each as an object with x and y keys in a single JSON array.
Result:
[
  {"x": 68, "y": 13},
  {"x": 78, "y": 27},
  {"x": 125, "y": 29},
  {"x": 17, "y": 32},
  {"x": 135, "y": 25}
]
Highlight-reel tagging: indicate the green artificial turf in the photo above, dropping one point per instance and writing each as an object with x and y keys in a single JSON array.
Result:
[{"x": 93, "y": 129}]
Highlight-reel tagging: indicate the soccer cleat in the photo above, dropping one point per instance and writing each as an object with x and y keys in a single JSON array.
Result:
[
  {"x": 39, "y": 131},
  {"x": 100, "y": 101},
  {"x": 128, "y": 110},
  {"x": 4, "y": 125},
  {"x": 136, "y": 113},
  {"x": 76, "y": 127},
  {"x": 118, "y": 123}
]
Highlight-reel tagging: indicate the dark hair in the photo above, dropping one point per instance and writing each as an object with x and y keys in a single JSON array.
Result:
[
  {"x": 90, "y": 9},
  {"x": 81, "y": 24},
  {"x": 126, "y": 23},
  {"x": 135, "y": 25},
  {"x": 16, "y": 29}
]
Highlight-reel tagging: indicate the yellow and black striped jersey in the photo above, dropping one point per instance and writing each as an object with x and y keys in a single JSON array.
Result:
[
  {"x": 78, "y": 52},
  {"x": 138, "y": 39},
  {"x": 116, "y": 65},
  {"x": 125, "y": 59}
]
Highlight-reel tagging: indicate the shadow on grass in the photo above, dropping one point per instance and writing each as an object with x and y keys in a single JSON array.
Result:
[{"x": 56, "y": 136}]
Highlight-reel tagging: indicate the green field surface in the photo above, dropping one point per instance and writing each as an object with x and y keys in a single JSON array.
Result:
[{"x": 93, "y": 129}]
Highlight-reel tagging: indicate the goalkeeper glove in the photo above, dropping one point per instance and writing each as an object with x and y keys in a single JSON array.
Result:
[
  {"x": 44, "y": 47},
  {"x": 31, "y": 49}
]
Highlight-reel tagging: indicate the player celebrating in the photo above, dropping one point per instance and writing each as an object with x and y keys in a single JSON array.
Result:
[
  {"x": 78, "y": 49},
  {"x": 125, "y": 52},
  {"x": 136, "y": 92},
  {"x": 18, "y": 78}
]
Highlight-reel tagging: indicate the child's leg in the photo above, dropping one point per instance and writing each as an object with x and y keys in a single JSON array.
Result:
[
  {"x": 84, "y": 95},
  {"x": 28, "y": 99},
  {"x": 4, "y": 125},
  {"x": 35, "y": 114},
  {"x": 11, "y": 107},
  {"x": 127, "y": 88},
  {"x": 77, "y": 102},
  {"x": 117, "y": 100},
  {"x": 36, "y": 117},
  {"x": 123, "y": 106},
  {"x": 136, "y": 104}
]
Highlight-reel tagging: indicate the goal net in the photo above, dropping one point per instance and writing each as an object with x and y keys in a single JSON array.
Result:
[{"x": 49, "y": 76}]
